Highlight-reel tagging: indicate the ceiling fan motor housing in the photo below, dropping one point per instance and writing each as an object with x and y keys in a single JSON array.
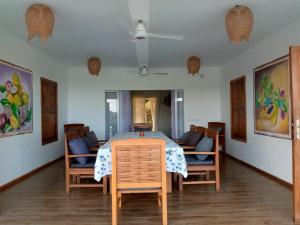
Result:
[{"x": 140, "y": 31}]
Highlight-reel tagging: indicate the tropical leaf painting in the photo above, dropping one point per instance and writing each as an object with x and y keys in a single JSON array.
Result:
[
  {"x": 272, "y": 99},
  {"x": 15, "y": 100}
]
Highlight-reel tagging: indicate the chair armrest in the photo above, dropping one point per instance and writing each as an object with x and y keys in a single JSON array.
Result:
[
  {"x": 102, "y": 141},
  {"x": 199, "y": 153},
  {"x": 188, "y": 147},
  {"x": 94, "y": 149},
  {"x": 82, "y": 155}
]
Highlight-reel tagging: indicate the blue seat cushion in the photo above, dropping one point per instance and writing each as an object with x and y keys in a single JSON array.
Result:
[
  {"x": 193, "y": 138},
  {"x": 78, "y": 147},
  {"x": 205, "y": 145},
  {"x": 88, "y": 142},
  {"x": 93, "y": 138},
  {"x": 89, "y": 164},
  {"x": 185, "y": 137},
  {"x": 192, "y": 160}
]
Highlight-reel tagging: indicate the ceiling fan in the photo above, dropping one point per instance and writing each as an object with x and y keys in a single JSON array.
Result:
[
  {"x": 141, "y": 33},
  {"x": 144, "y": 71}
]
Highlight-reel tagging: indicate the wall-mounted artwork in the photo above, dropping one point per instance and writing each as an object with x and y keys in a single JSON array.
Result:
[
  {"x": 15, "y": 100},
  {"x": 272, "y": 111}
]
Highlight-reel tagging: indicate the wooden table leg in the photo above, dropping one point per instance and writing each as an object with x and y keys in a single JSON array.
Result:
[{"x": 169, "y": 182}]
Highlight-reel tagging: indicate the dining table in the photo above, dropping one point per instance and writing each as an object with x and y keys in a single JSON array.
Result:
[{"x": 175, "y": 160}]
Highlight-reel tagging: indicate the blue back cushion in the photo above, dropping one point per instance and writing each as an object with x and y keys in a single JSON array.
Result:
[
  {"x": 88, "y": 142},
  {"x": 92, "y": 136},
  {"x": 205, "y": 145},
  {"x": 193, "y": 138},
  {"x": 185, "y": 137},
  {"x": 78, "y": 147}
]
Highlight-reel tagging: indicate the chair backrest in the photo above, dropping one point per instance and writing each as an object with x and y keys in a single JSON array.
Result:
[
  {"x": 138, "y": 163},
  {"x": 198, "y": 129},
  {"x": 82, "y": 131},
  {"x": 69, "y": 135},
  {"x": 217, "y": 124},
  {"x": 72, "y": 126}
]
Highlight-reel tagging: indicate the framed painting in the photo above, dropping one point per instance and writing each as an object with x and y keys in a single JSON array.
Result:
[
  {"x": 15, "y": 100},
  {"x": 272, "y": 100}
]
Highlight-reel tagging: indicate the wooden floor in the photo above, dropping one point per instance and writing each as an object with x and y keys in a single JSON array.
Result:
[{"x": 245, "y": 198}]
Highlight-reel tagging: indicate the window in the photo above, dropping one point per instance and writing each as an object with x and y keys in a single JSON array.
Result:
[
  {"x": 238, "y": 109},
  {"x": 49, "y": 111},
  {"x": 111, "y": 113}
]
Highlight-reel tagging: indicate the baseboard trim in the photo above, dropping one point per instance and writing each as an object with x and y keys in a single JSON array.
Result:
[
  {"x": 270, "y": 176},
  {"x": 23, "y": 177}
]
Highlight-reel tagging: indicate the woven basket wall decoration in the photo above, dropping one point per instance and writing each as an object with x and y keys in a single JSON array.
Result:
[
  {"x": 94, "y": 66},
  {"x": 239, "y": 23},
  {"x": 193, "y": 65},
  {"x": 40, "y": 21}
]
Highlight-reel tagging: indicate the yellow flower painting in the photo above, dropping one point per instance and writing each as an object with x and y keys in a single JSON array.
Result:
[
  {"x": 272, "y": 99},
  {"x": 15, "y": 100}
]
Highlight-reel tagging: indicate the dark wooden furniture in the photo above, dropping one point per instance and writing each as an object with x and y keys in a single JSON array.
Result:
[
  {"x": 221, "y": 127},
  {"x": 141, "y": 127},
  {"x": 238, "y": 109},
  {"x": 138, "y": 166},
  {"x": 204, "y": 169},
  {"x": 72, "y": 126},
  {"x": 79, "y": 172},
  {"x": 49, "y": 111}
]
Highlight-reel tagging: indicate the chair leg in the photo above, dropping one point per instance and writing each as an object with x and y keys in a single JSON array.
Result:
[
  {"x": 104, "y": 190},
  {"x": 180, "y": 182},
  {"x": 114, "y": 208},
  {"x": 159, "y": 199},
  {"x": 120, "y": 199},
  {"x": 78, "y": 179},
  {"x": 207, "y": 175},
  {"x": 218, "y": 183},
  {"x": 175, "y": 176},
  {"x": 68, "y": 183},
  {"x": 73, "y": 179},
  {"x": 164, "y": 208}
]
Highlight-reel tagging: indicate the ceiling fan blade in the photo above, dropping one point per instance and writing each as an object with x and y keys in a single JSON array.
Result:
[
  {"x": 159, "y": 73},
  {"x": 167, "y": 36}
]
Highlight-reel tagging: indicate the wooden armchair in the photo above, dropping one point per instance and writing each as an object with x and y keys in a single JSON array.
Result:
[
  {"x": 138, "y": 166},
  {"x": 199, "y": 167},
  {"x": 77, "y": 171},
  {"x": 221, "y": 128}
]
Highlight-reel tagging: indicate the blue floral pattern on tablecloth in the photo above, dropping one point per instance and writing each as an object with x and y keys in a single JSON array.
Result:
[{"x": 175, "y": 161}]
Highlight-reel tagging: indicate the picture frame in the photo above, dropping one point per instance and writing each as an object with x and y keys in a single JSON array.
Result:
[
  {"x": 16, "y": 100},
  {"x": 272, "y": 98}
]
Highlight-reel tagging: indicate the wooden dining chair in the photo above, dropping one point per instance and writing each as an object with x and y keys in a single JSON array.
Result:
[
  {"x": 138, "y": 166},
  {"x": 76, "y": 170}
]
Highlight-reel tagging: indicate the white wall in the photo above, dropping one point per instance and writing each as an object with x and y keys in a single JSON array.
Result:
[
  {"x": 86, "y": 93},
  {"x": 270, "y": 154},
  {"x": 23, "y": 153}
]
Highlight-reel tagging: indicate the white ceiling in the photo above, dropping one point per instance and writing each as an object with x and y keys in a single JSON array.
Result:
[{"x": 91, "y": 27}]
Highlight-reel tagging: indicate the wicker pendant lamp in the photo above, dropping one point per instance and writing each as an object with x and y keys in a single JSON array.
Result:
[
  {"x": 94, "y": 66},
  {"x": 193, "y": 65},
  {"x": 40, "y": 21},
  {"x": 239, "y": 23}
]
